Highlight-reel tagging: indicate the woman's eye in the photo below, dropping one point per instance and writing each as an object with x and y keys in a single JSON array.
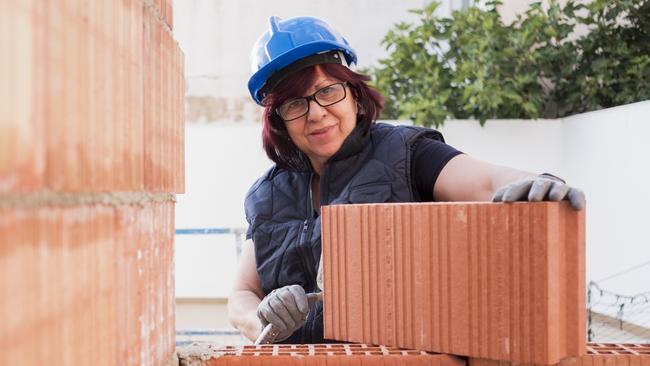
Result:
[
  {"x": 326, "y": 90},
  {"x": 294, "y": 104}
]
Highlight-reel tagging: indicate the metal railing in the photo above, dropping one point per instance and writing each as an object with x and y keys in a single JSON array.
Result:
[
  {"x": 218, "y": 336},
  {"x": 612, "y": 317},
  {"x": 239, "y": 233}
]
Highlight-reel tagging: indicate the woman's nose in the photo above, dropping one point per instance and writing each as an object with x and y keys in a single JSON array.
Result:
[{"x": 316, "y": 112}]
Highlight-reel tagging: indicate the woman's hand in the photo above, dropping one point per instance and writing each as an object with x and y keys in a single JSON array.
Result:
[
  {"x": 286, "y": 308},
  {"x": 544, "y": 187}
]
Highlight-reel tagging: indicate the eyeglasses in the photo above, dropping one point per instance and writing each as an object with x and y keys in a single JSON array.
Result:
[{"x": 298, "y": 107}]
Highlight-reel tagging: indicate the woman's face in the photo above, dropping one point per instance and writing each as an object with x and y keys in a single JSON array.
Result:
[{"x": 321, "y": 132}]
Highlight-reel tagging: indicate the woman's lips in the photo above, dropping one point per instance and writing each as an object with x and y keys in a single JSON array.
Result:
[{"x": 321, "y": 131}]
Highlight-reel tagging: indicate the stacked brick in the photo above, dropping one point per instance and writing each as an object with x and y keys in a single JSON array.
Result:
[
  {"x": 87, "y": 285},
  {"x": 91, "y": 98},
  {"x": 91, "y": 154},
  {"x": 495, "y": 281},
  {"x": 311, "y": 354}
]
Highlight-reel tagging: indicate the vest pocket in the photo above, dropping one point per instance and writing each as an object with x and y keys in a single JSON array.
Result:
[{"x": 371, "y": 193}]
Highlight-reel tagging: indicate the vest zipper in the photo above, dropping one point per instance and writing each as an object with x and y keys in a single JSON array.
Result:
[{"x": 305, "y": 237}]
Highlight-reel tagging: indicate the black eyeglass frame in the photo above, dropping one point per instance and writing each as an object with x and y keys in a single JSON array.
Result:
[{"x": 309, "y": 98}]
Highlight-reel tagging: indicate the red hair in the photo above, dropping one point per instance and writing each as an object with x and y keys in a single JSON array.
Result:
[{"x": 275, "y": 138}]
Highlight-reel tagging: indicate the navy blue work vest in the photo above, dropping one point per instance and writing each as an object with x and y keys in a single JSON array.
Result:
[{"x": 286, "y": 232}]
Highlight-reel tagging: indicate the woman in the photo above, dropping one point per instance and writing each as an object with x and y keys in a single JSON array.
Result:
[{"x": 319, "y": 129}]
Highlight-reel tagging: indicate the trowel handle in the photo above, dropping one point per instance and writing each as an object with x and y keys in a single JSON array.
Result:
[
  {"x": 312, "y": 297},
  {"x": 268, "y": 335}
]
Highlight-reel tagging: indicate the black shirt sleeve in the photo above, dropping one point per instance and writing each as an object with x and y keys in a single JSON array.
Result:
[{"x": 427, "y": 160}]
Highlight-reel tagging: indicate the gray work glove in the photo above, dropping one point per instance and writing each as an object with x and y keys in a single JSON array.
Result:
[
  {"x": 286, "y": 308},
  {"x": 544, "y": 187}
]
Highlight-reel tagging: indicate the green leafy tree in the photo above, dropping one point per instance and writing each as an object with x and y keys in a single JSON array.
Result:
[
  {"x": 611, "y": 65},
  {"x": 472, "y": 65}
]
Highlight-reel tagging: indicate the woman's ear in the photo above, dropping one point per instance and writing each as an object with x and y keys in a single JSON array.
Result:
[{"x": 360, "y": 110}]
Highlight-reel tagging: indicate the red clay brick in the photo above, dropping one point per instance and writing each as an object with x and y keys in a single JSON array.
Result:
[
  {"x": 22, "y": 159},
  {"x": 598, "y": 354},
  {"x": 89, "y": 285},
  {"x": 312, "y": 354},
  {"x": 161, "y": 10},
  {"x": 495, "y": 281},
  {"x": 163, "y": 119},
  {"x": 73, "y": 98}
]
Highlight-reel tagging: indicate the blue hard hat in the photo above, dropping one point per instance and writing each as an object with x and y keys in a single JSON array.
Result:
[{"x": 288, "y": 41}]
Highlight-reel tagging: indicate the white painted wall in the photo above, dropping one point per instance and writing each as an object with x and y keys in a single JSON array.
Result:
[
  {"x": 538, "y": 144},
  {"x": 607, "y": 153},
  {"x": 222, "y": 160}
]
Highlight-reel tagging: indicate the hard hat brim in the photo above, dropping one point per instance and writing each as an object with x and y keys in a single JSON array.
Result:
[{"x": 258, "y": 80}]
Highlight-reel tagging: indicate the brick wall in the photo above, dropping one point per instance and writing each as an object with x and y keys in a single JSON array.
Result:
[{"x": 91, "y": 154}]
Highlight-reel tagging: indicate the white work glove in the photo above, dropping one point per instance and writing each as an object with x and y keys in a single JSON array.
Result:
[
  {"x": 544, "y": 187},
  {"x": 286, "y": 308}
]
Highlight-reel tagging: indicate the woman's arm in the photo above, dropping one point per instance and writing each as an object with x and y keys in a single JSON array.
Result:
[
  {"x": 249, "y": 310},
  {"x": 465, "y": 178},
  {"x": 468, "y": 179},
  {"x": 246, "y": 295}
]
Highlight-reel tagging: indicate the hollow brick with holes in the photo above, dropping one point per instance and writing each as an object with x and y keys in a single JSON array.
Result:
[
  {"x": 312, "y": 354},
  {"x": 495, "y": 281},
  {"x": 598, "y": 354}
]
